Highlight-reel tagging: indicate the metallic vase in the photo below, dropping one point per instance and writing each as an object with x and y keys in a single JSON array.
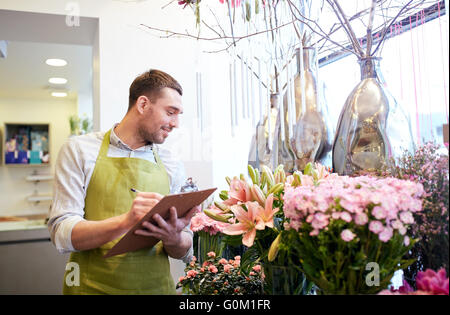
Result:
[
  {"x": 311, "y": 141},
  {"x": 282, "y": 152},
  {"x": 372, "y": 127},
  {"x": 262, "y": 143}
]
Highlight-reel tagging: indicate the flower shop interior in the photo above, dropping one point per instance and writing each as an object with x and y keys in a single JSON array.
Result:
[{"x": 322, "y": 124}]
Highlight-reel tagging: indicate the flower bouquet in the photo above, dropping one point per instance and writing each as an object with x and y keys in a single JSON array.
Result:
[
  {"x": 350, "y": 232},
  {"x": 254, "y": 216},
  {"x": 427, "y": 283},
  {"x": 219, "y": 276},
  {"x": 429, "y": 167}
]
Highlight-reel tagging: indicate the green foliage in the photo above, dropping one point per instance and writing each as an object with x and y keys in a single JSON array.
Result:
[
  {"x": 217, "y": 276},
  {"x": 339, "y": 267}
]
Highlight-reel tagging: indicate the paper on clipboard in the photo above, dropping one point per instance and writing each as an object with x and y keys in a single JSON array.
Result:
[{"x": 182, "y": 202}]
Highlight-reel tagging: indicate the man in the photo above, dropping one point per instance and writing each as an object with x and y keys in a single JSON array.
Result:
[{"x": 93, "y": 204}]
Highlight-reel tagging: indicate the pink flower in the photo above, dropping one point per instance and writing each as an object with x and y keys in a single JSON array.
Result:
[
  {"x": 406, "y": 217},
  {"x": 191, "y": 273},
  {"x": 386, "y": 234},
  {"x": 346, "y": 216},
  {"x": 306, "y": 180},
  {"x": 211, "y": 255},
  {"x": 376, "y": 227},
  {"x": 227, "y": 268},
  {"x": 213, "y": 269},
  {"x": 181, "y": 279},
  {"x": 361, "y": 219},
  {"x": 347, "y": 235},
  {"x": 201, "y": 222},
  {"x": 257, "y": 268},
  {"x": 234, "y": 3},
  {"x": 406, "y": 241},
  {"x": 239, "y": 192},
  {"x": 379, "y": 213},
  {"x": 249, "y": 222},
  {"x": 223, "y": 261},
  {"x": 433, "y": 282},
  {"x": 266, "y": 215}
]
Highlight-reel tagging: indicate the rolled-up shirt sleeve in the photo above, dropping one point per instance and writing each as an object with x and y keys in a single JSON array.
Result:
[
  {"x": 68, "y": 197},
  {"x": 177, "y": 174}
]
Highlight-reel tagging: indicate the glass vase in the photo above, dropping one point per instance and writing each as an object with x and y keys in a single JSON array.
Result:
[
  {"x": 373, "y": 129},
  {"x": 313, "y": 134},
  {"x": 208, "y": 243},
  {"x": 283, "y": 280}
]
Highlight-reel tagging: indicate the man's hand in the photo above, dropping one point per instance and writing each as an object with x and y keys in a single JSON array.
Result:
[
  {"x": 142, "y": 204},
  {"x": 169, "y": 232}
]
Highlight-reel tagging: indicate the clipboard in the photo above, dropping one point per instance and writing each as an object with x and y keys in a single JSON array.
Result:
[{"x": 183, "y": 202}]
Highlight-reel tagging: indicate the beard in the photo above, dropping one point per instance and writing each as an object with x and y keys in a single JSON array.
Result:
[
  {"x": 150, "y": 137},
  {"x": 153, "y": 137}
]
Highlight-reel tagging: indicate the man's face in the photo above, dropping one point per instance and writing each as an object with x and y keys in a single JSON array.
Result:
[{"x": 161, "y": 116}]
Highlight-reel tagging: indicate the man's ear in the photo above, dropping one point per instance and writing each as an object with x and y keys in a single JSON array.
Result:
[{"x": 142, "y": 104}]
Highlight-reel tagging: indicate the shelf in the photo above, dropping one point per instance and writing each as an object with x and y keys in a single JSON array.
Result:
[
  {"x": 38, "y": 178},
  {"x": 40, "y": 197}
]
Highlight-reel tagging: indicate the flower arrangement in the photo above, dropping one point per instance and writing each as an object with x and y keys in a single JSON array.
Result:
[
  {"x": 219, "y": 276},
  {"x": 428, "y": 282},
  {"x": 340, "y": 224},
  {"x": 327, "y": 227},
  {"x": 430, "y": 168},
  {"x": 209, "y": 233}
]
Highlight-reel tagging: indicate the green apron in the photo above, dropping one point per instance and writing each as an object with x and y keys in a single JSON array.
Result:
[{"x": 145, "y": 271}]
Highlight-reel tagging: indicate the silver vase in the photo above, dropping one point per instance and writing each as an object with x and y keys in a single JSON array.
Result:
[
  {"x": 282, "y": 151},
  {"x": 372, "y": 128},
  {"x": 311, "y": 141},
  {"x": 262, "y": 143}
]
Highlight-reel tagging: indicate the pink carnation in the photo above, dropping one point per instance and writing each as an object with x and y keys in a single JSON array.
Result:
[
  {"x": 227, "y": 268},
  {"x": 376, "y": 227},
  {"x": 191, "y": 273},
  {"x": 386, "y": 234},
  {"x": 213, "y": 269},
  {"x": 347, "y": 235}
]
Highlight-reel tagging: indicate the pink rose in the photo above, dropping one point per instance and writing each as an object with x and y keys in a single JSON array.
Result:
[{"x": 257, "y": 268}]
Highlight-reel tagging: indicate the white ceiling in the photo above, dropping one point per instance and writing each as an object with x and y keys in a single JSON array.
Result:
[
  {"x": 33, "y": 38},
  {"x": 24, "y": 73}
]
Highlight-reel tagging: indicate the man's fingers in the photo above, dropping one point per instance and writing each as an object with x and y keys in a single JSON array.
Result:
[
  {"x": 173, "y": 216},
  {"x": 160, "y": 221},
  {"x": 152, "y": 228},
  {"x": 150, "y": 195}
]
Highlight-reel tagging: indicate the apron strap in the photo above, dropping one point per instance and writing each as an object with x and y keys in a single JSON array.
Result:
[{"x": 105, "y": 145}]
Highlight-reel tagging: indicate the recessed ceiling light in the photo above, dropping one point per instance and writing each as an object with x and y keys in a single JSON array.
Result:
[
  {"x": 59, "y": 94},
  {"x": 56, "y": 62},
  {"x": 57, "y": 80}
]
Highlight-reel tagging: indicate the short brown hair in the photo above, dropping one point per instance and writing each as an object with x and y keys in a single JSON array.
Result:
[{"x": 150, "y": 83}]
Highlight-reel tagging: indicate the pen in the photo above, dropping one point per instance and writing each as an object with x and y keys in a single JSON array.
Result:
[{"x": 135, "y": 190}]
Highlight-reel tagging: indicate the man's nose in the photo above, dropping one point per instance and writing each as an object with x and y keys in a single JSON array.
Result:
[{"x": 174, "y": 122}]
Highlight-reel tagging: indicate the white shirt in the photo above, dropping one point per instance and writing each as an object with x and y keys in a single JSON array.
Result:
[{"x": 74, "y": 167}]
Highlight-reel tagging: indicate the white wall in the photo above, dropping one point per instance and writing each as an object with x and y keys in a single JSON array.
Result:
[
  {"x": 125, "y": 50},
  {"x": 13, "y": 187}
]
